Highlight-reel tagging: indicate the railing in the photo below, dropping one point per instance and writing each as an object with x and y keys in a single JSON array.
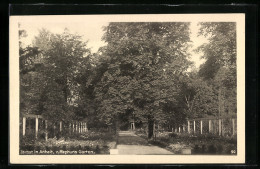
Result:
[
  {"x": 215, "y": 126},
  {"x": 33, "y": 124}
]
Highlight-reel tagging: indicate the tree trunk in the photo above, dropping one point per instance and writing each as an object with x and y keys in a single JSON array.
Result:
[{"x": 150, "y": 128}]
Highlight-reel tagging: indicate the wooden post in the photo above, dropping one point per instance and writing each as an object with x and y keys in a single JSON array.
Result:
[
  {"x": 60, "y": 126},
  {"x": 201, "y": 126},
  {"x": 36, "y": 127},
  {"x": 179, "y": 129},
  {"x": 188, "y": 126},
  {"x": 183, "y": 128},
  {"x": 219, "y": 126},
  {"x": 70, "y": 128},
  {"x": 73, "y": 127},
  {"x": 46, "y": 130},
  {"x": 54, "y": 129},
  {"x": 76, "y": 127},
  {"x": 24, "y": 125},
  {"x": 82, "y": 127},
  {"x": 194, "y": 126},
  {"x": 79, "y": 127},
  {"x": 209, "y": 126},
  {"x": 233, "y": 127}
]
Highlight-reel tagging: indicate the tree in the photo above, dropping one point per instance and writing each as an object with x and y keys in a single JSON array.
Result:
[
  {"x": 144, "y": 59},
  {"x": 64, "y": 57},
  {"x": 30, "y": 78},
  {"x": 220, "y": 67}
]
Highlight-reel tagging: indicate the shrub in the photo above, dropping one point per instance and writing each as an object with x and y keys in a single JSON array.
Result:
[
  {"x": 173, "y": 135},
  {"x": 212, "y": 149}
]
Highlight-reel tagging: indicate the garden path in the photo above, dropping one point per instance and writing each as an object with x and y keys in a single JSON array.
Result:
[{"x": 130, "y": 143}]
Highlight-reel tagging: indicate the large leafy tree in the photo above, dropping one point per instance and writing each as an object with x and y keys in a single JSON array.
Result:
[
  {"x": 219, "y": 70},
  {"x": 145, "y": 60},
  {"x": 64, "y": 58},
  {"x": 198, "y": 97},
  {"x": 30, "y": 78}
]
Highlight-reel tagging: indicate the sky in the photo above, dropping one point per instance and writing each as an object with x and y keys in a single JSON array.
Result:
[{"x": 94, "y": 32}]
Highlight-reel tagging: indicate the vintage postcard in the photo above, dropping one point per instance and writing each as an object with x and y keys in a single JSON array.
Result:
[{"x": 127, "y": 89}]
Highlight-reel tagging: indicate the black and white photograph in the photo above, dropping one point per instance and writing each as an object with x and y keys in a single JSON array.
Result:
[{"x": 165, "y": 88}]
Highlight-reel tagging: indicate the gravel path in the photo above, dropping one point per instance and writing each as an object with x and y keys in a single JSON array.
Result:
[{"x": 130, "y": 143}]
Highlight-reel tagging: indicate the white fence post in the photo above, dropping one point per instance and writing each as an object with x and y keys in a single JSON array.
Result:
[
  {"x": 233, "y": 127},
  {"x": 36, "y": 127},
  {"x": 46, "y": 128},
  {"x": 24, "y": 125},
  {"x": 219, "y": 126},
  {"x": 194, "y": 126},
  {"x": 201, "y": 126},
  {"x": 60, "y": 126},
  {"x": 188, "y": 126},
  {"x": 209, "y": 126}
]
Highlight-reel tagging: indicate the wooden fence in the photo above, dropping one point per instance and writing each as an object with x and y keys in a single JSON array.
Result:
[
  {"x": 220, "y": 126},
  {"x": 36, "y": 123}
]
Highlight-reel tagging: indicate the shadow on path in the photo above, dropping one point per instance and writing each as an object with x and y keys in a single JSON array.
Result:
[
  {"x": 130, "y": 143},
  {"x": 129, "y": 138}
]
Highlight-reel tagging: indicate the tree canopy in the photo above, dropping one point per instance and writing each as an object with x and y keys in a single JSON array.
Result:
[{"x": 141, "y": 74}]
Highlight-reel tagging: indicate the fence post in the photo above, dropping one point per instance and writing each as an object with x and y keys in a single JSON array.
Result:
[
  {"x": 188, "y": 126},
  {"x": 219, "y": 126},
  {"x": 209, "y": 126},
  {"x": 76, "y": 127},
  {"x": 54, "y": 129},
  {"x": 79, "y": 127},
  {"x": 201, "y": 126},
  {"x": 194, "y": 126},
  {"x": 81, "y": 124},
  {"x": 36, "y": 127},
  {"x": 46, "y": 132},
  {"x": 73, "y": 127},
  {"x": 233, "y": 127},
  {"x": 60, "y": 126},
  {"x": 24, "y": 125},
  {"x": 69, "y": 128},
  {"x": 183, "y": 128}
]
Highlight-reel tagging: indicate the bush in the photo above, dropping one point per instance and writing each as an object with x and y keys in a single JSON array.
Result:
[
  {"x": 173, "y": 135},
  {"x": 212, "y": 149}
]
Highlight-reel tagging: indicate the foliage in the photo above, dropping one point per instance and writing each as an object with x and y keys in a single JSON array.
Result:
[
  {"x": 145, "y": 60},
  {"x": 219, "y": 70},
  {"x": 54, "y": 86}
]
